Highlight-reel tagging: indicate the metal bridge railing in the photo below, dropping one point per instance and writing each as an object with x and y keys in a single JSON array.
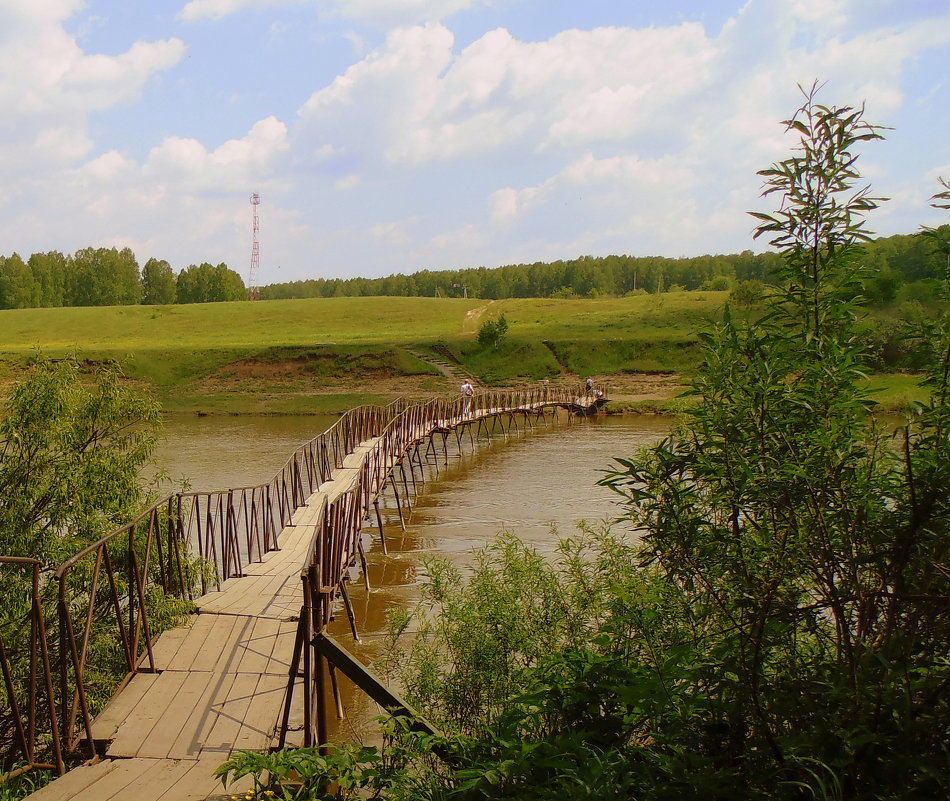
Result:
[
  {"x": 179, "y": 548},
  {"x": 29, "y": 713}
]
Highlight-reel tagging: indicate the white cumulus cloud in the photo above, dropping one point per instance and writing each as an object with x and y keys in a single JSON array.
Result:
[
  {"x": 234, "y": 164},
  {"x": 49, "y": 86},
  {"x": 440, "y": 143}
]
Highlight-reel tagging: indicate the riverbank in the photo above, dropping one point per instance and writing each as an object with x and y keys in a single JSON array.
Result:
[
  {"x": 629, "y": 394},
  {"x": 328, "y": 354}
]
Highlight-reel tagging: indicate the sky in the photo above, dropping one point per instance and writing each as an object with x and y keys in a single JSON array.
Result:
[{"x": 387, "y": 136}]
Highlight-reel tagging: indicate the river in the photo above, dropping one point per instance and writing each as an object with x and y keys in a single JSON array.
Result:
[{"x": 531, "y": 483}]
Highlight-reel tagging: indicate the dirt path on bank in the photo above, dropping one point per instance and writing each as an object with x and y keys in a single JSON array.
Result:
[{"x": 473, "y": 317}]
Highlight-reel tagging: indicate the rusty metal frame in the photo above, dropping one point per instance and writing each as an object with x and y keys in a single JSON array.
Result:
[
  {"x": 26, "y": 714},
  {"x": 109, "y": 582}
]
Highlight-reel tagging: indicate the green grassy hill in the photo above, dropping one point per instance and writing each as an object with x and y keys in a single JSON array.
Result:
[
  {"x": 326, "y": 354},
  {"x": 188, "y": 353}
]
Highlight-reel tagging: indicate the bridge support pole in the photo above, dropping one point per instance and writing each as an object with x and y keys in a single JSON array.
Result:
[
  {"x": 362, "y": 553},
  {"x": 405, "y": 484},
  {"x": 349, "y": 609},
  {"x": 320, "y": 669},
  {"x": 422, "y": 471},
  {"x": 402, "y": 520},
  {"x": 336, "y": 692},
  {"x": 379, "y": 522},
  {"x": 412, "y": 474}
]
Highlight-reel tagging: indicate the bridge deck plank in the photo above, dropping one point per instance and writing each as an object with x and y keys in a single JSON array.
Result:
[
  {"x": 187, "y": 705},
  {"x": 223, "y": 682},
  {"x": 212, "y": 727},
  {"x": 137, "y": 727},
  {"x": 222, "y": 633},
  {"x": 120, "y": 706},
  {"x": 140, "y": 780},
  {"x": 268, "y": 648},
  {"x": 251, "y": 595}
]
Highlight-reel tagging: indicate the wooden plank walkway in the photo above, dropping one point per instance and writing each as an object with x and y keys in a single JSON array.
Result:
[
  {"x": 220, "y": 683},
  {"x": 220, "y": 679}
]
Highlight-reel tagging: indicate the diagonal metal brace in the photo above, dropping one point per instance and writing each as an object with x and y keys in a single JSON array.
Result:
[{"x": 370, "y": 683}]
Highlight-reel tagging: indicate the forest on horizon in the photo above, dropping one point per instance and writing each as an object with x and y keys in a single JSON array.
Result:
[{"x": 112, "y": 277}]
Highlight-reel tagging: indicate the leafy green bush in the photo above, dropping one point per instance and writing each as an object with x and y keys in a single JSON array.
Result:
[
  {"x": 747, "y": 293},
  {"x": 718, "y": 283},
  {"x": 464, "y": 662},
  {"x": 305, "y": 774},
  {"x": 922, "y": 291},
  {"x": 73, "y": 440},
  {"x": 803, "y": 552},
  {"x": 492, "y": 332}
]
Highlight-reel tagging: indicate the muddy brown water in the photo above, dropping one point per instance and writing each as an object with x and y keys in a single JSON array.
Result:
[{"x": 537, "y": 483}]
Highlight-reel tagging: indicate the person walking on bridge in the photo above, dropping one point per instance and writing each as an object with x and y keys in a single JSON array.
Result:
[{"x": 468, "y": 392}]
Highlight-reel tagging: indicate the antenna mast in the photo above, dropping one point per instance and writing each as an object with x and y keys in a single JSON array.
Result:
[{"x": 253, "y": 293}]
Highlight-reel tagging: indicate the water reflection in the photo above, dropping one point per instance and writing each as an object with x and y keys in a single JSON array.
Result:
[
  {"x": 220, "y": 452},
  {"x": 528, "y": 484},
  {"x": 538, "y": 485}
]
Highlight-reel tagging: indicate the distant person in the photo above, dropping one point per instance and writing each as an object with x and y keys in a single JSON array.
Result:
[
  {"x": 468, "y": 391},
  {"x": 545, "y": 389},
  {"x": 590, "y": 384}
]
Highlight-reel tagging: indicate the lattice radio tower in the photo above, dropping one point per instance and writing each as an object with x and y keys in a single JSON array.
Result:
[{"x": 253, "y": 292}]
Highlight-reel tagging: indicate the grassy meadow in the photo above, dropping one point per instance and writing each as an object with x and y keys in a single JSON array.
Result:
[
  {"x": 196, "y": 356},
  {"x": 327, "y": 354}
]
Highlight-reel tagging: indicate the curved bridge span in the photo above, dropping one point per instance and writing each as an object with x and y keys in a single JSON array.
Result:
[{"x": 254, "y": 667}]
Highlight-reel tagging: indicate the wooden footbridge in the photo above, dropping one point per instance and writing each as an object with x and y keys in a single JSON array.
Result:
[{"x": 258, "y": 573}]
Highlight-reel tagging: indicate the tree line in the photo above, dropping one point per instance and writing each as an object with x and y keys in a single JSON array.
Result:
[
  {"x": 110, "y": 277},
  {"x": 890, "y": 263}
]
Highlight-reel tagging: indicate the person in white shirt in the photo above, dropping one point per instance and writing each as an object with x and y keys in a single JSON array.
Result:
[{"x": 467, "y": 391}]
